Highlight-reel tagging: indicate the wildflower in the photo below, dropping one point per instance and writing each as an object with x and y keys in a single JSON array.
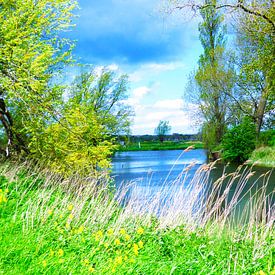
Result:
[
  {"x": 127, "y": 237},
  {"x": 118, "y": 260},
  {"x": 55, "y": 224},
  {"x": 61, "y": 261},
  {"x": 6, "y": 191},
  {"x": 60, "y": 216},
  {"x": 117, "y": 242},
  {"x": 91, "y": 269},
  {"x": 113, "y": 270},
  {"x": 135, "y": 248},
  {"x": 106, "y": 245},
  {"x": 60, "y": 252},
  {"x": 110, "y": 231},
  {"x": 70, "y": 207},
  {"x": 67, "y": 225},
  {"x": 71, "y": 216},
  {"x": 50, "y": 212},
  {"x": 140, "y": 244},
  {"x": 132, "y": 260},
  {"x": 86, "y": 262},
  {"x": 140, "y": 231},
  {"x": 261, "y": 272},
  {"x": 98, "y": 235},
  {"x": 51, "y": 252},
  {"x": 44, "y": 263},
  {"x": 80, "y": 229},
  {"x": 122, "y": 231},
  {"x": 125, "y": 258}
]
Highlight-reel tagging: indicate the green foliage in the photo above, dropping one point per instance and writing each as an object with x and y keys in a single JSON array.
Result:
[
  {"x": 239, "y": 142},
  {"x": 267, "y": 138},
  {"x": 264, "y": 156},
  {"x": 162, "y": 129}
]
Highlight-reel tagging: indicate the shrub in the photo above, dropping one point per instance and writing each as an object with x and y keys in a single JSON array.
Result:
[{"x": 239, "y": 142}]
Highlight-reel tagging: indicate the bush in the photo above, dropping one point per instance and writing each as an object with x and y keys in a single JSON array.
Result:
[
  {"x": 239, "y": 142},
  {"x": 267, "y": 138}
]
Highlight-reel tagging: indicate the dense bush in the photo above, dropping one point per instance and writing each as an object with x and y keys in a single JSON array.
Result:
[
  {"x": 267, "y": 138},
  {"x": 239, "y": 142}
]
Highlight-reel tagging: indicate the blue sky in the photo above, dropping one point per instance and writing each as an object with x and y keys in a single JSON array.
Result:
[{"x": 158, "y": 52}]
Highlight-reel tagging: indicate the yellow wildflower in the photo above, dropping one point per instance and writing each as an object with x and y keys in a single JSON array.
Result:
[
  {"x": 61, "y": 261},
  {"x": 117, "y": 242},
  {"x": 71, "y": 216},
  {"x": 127, "y": 237},
  {"x": 122, "y": 231},
  {"x": 125, "y": 258},
  {"x": 110, "y": 231},
  {"x": 140, "y": 231},
  {"x": 50, "y": 212},
  {"x": 67, "y": 225},
  {"x": 70, "y": 207},
  {"x": 131, "y": 260},
  {"x": 98, "y": 235},
  {"x": 55, "y": 224},
  {"x": 135, "y": 248},
  {"x": 60, "y": 252},
  {"x": 113, "y": 270},
  {"x": 6, "y": 191},
  {"x": 80, "y": 229},
  {"x": 261, "y": 272},
  {"x": 51, "y": 252},
  {"x": 140, "y": 244},
  {"x": 106, "y": 245},
  {"x": 86, "y": 262},
  {"x": 60, "y": 216},
  {"x": 44, "y": 263},
  {"x": 119, "y": 260},
  {"x": 91, "y": 269}
]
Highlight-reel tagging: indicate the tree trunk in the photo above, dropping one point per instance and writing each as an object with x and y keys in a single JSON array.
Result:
[{"x": 260, "y": 113}]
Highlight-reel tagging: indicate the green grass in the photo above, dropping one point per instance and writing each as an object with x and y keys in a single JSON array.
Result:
[
  {"x": 54, "y": 226},
  {"x": 156, "y": 145},
  {"x": 263, "y": 156}
]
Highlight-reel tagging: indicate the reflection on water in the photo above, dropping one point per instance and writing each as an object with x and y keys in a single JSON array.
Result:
[{"x": 170, "y": 177}]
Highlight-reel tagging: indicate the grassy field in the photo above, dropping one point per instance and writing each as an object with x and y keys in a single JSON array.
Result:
[
  {"x": 51, "y": 225},
  {"x": 156, "y": 145}
]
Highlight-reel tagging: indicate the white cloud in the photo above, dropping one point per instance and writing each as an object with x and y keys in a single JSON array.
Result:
[{"x": 169, "y": 104}]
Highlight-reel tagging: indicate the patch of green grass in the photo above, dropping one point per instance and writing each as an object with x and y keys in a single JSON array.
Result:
[
  {"x": 156, "y": 146},
  {"x": 50, "y": 229},
  {"x": 264, "y": 156}
]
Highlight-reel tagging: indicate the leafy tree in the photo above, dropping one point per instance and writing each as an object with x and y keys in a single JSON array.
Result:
[
  {"x": 31, "y": 52},
  {"x": 104, "y": 94},
  {"x": 213, "y": 79},
  {"x": 240, "y": 141},
  {"x": 162, "y": 129}
]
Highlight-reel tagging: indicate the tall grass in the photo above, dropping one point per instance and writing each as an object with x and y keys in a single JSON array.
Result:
[{"x": 174, "y": 231}]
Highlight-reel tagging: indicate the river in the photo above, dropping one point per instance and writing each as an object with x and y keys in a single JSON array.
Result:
[{"x": 151, "y": 172}]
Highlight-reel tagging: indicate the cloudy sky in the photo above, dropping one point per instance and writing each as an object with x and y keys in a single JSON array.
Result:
[{"x": 157, "y": 51}]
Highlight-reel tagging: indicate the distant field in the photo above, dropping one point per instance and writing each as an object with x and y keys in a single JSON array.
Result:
[{"x": 156, "y": 145}]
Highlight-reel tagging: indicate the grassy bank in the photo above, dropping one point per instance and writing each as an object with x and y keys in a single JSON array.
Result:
[
  {"x": 263, "y": 156},
  {"x": 156, "y": 145},
  {"x": 54, "y": 226}
]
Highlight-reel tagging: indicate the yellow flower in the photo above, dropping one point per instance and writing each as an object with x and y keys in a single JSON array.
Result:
[
  {"x": 71, "y": 216},
  {"x": 135, "y": 248},
  {"x": 6, "y": 191},
  {"x": 51, "y": 252},
  {"x": 140, "y": 231},
  {"x": 119, "y": 260},
  {"x": 67, "y": 225},
  {"x": 132, "y": 260},
  {"x": 70, "y": 207},
  {"x": 140, "y": 244},
  {"x": 86, "y": 262},
  {"x": 98, "y": 235},
  {"x": 125, "y": 258},
  {"x": 127, "y": 237},
  {"x": 106, "y": 245},
  {"x": 91, "y": 269},
  {"x": 261, "y": 272},
  {"x": 117, "y": 242},
  {"x": 60, "y": 216},
  {"x": 113, "y": 270},
  {"x": 122, "y": 231},
  {"x": 61, "y": 261},
  {"x": 110, "y": 231},
  {"x": 50, "y": 212},
  {"x": 80, "y": 229},
  {"x": 60, "y": 252},
  {"x": 44, "y": 263},
  {"x": 55, "y": 224}
]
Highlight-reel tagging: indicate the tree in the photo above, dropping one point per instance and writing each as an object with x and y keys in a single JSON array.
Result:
[
  {"x": 162, "y": 129},
  {"x": 213, "y": 79},
  {"x": 105, "y": 95},
  {"x": 31, "y": 53},
  {"x": 240, "y": 141}
]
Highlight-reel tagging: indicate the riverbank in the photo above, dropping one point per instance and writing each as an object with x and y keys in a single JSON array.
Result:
[
  {"x": 263, "y": 156},
  {"x": 158, "y": 146},
  {"x": 54, "y": 226}
]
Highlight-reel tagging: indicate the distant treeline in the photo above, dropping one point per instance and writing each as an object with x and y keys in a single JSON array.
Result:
[{"x": 174, "y": 137}]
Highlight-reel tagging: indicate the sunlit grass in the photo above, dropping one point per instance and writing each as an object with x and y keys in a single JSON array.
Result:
[{"x": 51, "y": 225}]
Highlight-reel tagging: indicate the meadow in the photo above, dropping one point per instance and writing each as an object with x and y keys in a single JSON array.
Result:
[{"x": 55, "y": 225}]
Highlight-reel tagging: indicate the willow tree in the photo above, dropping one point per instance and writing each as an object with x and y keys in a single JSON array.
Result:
[{"x": 32, "y": 50}]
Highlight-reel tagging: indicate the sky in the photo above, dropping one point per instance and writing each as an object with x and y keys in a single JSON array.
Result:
[{"x": 157, "y": 51}]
